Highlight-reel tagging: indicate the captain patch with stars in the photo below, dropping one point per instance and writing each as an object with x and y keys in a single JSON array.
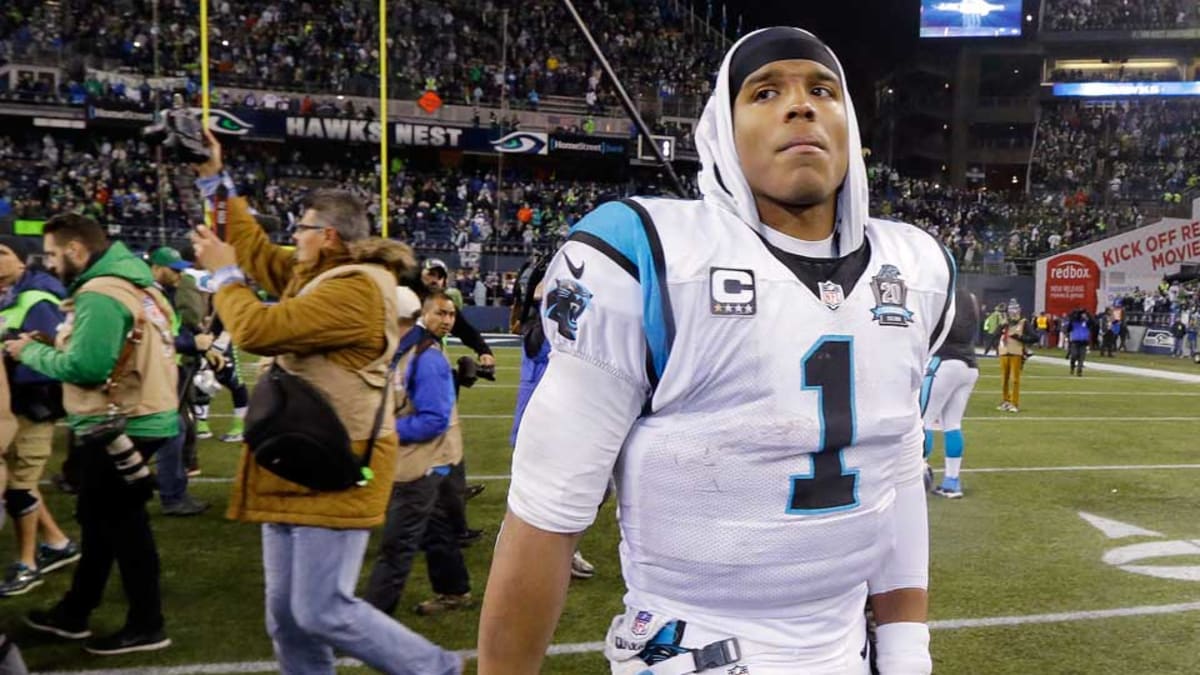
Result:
[{"x": 565, "y": 304}]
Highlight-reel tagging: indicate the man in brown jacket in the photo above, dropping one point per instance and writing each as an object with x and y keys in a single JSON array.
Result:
[{"x": 336, "y": 326}]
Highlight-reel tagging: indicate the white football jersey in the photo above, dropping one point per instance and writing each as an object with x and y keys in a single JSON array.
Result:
[{"x": 766, "y": 423}]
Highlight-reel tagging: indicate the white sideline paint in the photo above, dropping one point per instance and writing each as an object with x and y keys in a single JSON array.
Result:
[
  {"x": 1126, "y": 370},
  {"x": 595, "y": 647},
  {"x": 999, "y": 416},
  {"x": 994, "y": 469},
  {"x": 1115, "y": 529},
  {"x": 1068, "y": 392}
]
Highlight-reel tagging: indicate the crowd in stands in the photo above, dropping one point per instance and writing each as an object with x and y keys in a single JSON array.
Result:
[
  {"x": 1140, "y": 149},
  {"x": 452, "y": 47},
  {"x": 1078, "y": 15},
  {"x": 993, "y": 230},
  {"x": 450, "y": 210}
]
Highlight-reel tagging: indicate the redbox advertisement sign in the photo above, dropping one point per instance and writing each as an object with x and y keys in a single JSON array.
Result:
[{"x": 1071, "y": 283}]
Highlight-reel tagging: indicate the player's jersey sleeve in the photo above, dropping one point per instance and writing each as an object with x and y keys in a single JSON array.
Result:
[
  {"x": 596, "y": 382},
  {"x": 945, "y": 281}
]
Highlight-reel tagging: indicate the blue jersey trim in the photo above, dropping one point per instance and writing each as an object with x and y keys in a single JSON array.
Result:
[{"x": 629, "y": 230}]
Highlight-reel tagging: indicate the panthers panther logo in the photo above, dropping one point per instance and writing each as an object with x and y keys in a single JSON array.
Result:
[{"x": 565, "y": 304}]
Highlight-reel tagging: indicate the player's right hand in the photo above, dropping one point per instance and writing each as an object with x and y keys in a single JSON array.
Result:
[{"x": 214, "y": 165}]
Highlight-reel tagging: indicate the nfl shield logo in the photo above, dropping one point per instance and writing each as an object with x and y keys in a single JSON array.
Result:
[
  {"x": 641, "y": 623},
  {"x": 831, "y": 294}
]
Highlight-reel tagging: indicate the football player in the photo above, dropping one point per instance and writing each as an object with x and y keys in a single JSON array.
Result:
[
  {"x": 748, "y": 365},
  {"x": 949, "y": 381}
]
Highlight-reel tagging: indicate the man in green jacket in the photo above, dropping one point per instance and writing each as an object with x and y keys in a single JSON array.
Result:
[
  {"x": 116, "y": 359},
  {"x": 991, "y": 327}
]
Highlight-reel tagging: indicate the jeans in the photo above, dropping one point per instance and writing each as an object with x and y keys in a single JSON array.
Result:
[
  {"x": 311, "y": 609},
  {"x": 1078, "y": 353},
  {"x": 171, "y": 471},
  {"x": 418, "y": 519},
  {"x": 114, "y": 527}
]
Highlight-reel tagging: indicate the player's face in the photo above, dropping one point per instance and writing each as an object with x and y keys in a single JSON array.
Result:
[
  {"x": 789, "y": 126},
  {"x": 439, "y": 317}
]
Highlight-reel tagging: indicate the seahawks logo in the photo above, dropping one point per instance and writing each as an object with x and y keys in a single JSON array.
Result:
[
  {"x": 523, "y": 143},
  {"x": 565, "y": 304},
  {"x": 224, "y": 122}
]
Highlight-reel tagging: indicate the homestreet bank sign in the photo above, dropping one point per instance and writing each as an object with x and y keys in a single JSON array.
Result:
[{"x": 362, "y": 131}]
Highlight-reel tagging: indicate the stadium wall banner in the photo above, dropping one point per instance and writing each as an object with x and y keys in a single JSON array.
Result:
[
  {"x": 588, "y": 145},
  {"x": 400, "y": 133},
  {"x": 1157, "y": 341},
  {"x": 1090, "y": 275},
  {"x": 1123, "y": 89},
  {"x": 522, "y": 143},
  {"x": 249, "y": 123},
  {"x": 133, "y": 81}
]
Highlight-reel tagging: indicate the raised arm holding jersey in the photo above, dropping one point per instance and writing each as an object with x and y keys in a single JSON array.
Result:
[{"x": 749, "y": 365}]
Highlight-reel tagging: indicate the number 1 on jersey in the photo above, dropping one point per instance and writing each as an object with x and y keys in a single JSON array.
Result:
[{"x": 828, "y": 368}]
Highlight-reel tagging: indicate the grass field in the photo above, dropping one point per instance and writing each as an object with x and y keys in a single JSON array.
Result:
[{"x": 1014, "y": 552}]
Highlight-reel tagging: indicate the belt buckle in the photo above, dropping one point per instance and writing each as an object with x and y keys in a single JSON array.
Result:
[{"x": 718, "y": 654}]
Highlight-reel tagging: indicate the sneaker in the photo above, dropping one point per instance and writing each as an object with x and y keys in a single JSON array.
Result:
[
  {"x": 126, "y": 641},
  {"x": 445, "y": 603},
  {"x": 951, "y": 488},
  {"x": 469, "y": 537},
  {"x": 50, "y": 559},
  {"x": 203, "y": 431},
  {"x": 60, "y": 481},
  {"x": 1004, "y": 406},
  {"x": 580, "y": 568},
  {"x": 19, "y": 580},
  {"x": 474, "y": 491},
  {"x": 185, "y": 507},
  {"x": 193, "y": 471},
  {"x": 55, "y": 622},
  {"x": 1013, "y": 409},
  {"x": 236, "y": 432}
]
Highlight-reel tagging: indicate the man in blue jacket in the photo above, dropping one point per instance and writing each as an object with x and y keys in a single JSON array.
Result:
[
  {"x": 1079, "y": 331},
  {"x": 29, "y": 302},
  {"x": 423, "y": 498}
]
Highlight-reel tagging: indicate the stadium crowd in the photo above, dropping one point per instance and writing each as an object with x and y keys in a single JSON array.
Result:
[
  {"x": 1080, "y": 15},
  {"x": 1130, "y": 150},
  {"x": 116, "y": 182},
  {"x": 451, "y": 47}
]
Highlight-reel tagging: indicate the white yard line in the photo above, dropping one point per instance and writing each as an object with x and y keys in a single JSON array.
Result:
[
  {"x": 595, "y": 647},
  {"x": 991, "y": 469},
  {"x": 1106, "y": 367},
  {"x": 1068, "y": 392},
  {"x": 1024, "y": 418},
  {"x": 1010, "y": 416}
]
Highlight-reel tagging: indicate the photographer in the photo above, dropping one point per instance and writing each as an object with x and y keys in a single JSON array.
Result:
[
  {"x": 1014, "y": 334},
  {"x": 29, "y": 302},
  {"x": 1080, "y": 332},
  {"x": 335, "y": 330},
  {"x": 115, "y": 358}
]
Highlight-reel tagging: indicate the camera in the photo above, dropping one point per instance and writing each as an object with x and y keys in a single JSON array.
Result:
[
  {"x": 124, "y": 455},
  {"x": 179, "y": 134}
]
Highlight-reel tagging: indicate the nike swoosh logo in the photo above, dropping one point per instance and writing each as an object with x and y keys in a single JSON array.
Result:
[{"x": 576, "y": 272}]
